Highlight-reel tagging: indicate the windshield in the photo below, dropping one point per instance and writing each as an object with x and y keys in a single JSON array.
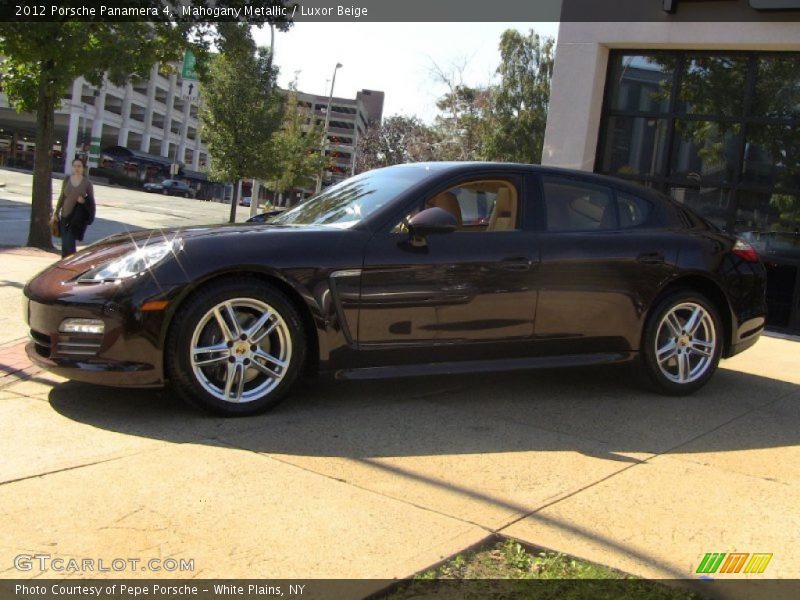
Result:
[{"x": 348, "y": 203}]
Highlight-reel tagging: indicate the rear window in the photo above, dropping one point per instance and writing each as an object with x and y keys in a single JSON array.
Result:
[
  {"x": 575, "y": 206},
  {"x": 633, "y": 210}
]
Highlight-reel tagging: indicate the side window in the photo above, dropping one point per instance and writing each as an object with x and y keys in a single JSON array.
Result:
[
  {"x": 633, "y": 211},
  {"x": 574, "y": 206},
  {"x": 485, "y": 205}
]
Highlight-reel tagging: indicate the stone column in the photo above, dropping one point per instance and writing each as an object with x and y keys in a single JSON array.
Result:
[
  {"x": 124, "y": 129},
  {"x": 181, "y": 154},
  {"x": 73, "y": 129},
  {"x": 97, "y": 126},
  {"x": 148, "y": 109},
  {"x": 173, "y": 84}
]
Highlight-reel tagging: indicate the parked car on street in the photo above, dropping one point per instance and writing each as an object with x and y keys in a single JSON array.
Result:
[
  {"x": 265, "y": 216},
  {"x": 414, "y": 269},
  {"x": 170, "y": 187}
]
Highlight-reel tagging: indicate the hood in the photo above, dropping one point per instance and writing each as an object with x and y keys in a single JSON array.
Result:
[{"x": 116, "y": 245}]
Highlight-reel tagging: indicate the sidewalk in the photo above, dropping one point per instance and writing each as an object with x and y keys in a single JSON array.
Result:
[
  {"x": 382, "y": 479},
  {"x": 17, "y": 267}
]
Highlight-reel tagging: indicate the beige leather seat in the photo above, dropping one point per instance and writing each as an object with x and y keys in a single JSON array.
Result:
[
  {"x": 448, "y": 202},
  {"x": 504, "y": 215}
]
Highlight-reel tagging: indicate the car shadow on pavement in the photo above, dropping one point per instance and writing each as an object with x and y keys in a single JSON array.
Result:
[
  {"x": 603, "y": 412},
  {"x": 494, "y": 448}
]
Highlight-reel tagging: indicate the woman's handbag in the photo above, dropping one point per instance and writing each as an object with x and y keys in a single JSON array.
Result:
[{"x": 55, "y": 227}]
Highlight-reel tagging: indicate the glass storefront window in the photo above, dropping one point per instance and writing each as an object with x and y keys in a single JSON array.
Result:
[
  {"x": 714, "y": 85},
  {"x": 720, "y": 132},
  {"x": 772, "y": 156},
  {"x": 705, "y": 151},
  {"x": 640, "y": 83},
  {"x": 635, "y": 146},
  {"x": 711, "y": 203},
  {"x": 777, "y": 91},
  {"x": 771, "y": 222}
]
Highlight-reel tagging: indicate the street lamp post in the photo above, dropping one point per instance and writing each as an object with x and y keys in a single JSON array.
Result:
[{"x": 324, "y": 143}]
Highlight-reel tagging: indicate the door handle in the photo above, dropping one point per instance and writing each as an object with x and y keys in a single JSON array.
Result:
[
  {"x": 651, "y": 258},
  {"x": 517, "y": 263}
]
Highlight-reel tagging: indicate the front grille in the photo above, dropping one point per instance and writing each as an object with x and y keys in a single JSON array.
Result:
[
  {"x": 82, "y": 346},
  {"x": 41, "y": 343}
]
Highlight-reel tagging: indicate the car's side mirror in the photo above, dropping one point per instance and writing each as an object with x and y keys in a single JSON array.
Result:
[{"x": 431, "y": 221}]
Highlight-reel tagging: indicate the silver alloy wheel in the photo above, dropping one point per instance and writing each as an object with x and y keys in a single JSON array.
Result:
[
  {"x": 686, "y": 340},
  {"x": 240, "y": 350}
]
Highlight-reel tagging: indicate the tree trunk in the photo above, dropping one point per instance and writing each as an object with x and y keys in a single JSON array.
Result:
[
  {"x": 42, "y": 197},
  {"x": 234, "y": 201}
]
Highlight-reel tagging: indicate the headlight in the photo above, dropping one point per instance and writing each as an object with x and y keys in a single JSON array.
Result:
[{"x": 130, "y": 264}]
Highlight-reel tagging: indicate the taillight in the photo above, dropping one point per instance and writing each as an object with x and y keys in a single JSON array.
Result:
[{"x": 745, "y": 251}]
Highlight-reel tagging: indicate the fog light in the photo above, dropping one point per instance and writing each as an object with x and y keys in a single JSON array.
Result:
[{"x": 81, "y": 326}]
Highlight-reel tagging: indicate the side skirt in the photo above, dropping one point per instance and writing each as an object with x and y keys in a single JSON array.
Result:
[{"x": 483, "y": 366}]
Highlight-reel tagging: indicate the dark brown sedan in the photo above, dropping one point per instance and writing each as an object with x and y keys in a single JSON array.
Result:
[{"x": 413, "y": 269}]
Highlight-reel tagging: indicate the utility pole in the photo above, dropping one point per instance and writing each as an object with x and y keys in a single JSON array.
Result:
[{"x": 324, "y": 143}]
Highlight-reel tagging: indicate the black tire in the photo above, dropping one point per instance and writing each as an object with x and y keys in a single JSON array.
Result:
[
  {"x": 659, "y": 380},
  {"x": 186, "y": 195},
  {"x": 178, "y": 347}
]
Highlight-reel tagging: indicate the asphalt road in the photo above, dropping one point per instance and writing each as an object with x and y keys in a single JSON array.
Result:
[{"x": 118, "y": 209}]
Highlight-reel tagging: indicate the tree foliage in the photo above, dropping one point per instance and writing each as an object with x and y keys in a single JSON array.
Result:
[
  {"x": 40, "y": 63},
  {"x": 396, "y": 141},
  {"x": 504, "y": 121},
  {"x": 518, "y": 112},
  {"x": 241, "y": 110},
  {"x": 296, "y": 146}
]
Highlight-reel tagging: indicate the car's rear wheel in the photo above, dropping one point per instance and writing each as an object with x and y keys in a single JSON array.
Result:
[
  {"x": 236, "y": 348},
  {"x": 682, "y": 343}
]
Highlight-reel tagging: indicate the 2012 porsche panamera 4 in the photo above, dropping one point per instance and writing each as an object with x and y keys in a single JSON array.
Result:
[{"x": 413, "y": 269}]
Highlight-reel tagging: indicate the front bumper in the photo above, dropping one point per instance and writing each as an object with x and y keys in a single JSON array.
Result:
[{"x": 121, "y": 356}]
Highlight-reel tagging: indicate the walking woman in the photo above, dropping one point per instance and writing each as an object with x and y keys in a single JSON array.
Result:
[{"x": 75, "y": 208}]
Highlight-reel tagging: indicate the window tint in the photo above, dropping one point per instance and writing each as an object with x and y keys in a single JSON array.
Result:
[
  {"x": 633, "y": 211},
  {"x": 573, "y": 206}
]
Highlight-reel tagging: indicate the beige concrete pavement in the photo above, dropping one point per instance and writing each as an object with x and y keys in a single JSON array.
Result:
[
  {"x": 17, "y": 266},
  {"x": 381, "y": 479}
]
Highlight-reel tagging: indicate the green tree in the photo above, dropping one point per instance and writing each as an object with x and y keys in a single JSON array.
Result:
[
  {"x": 296, "y": 146},
  {"x": 241, "y": 110},
  {"x": 40, "y": 63},
  {"x": 460, "y": 128},
  {"x": 518, "y": 111},
  {"x": 396, "y": 141}
]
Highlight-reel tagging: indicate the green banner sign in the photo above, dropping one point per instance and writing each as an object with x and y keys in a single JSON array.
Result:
[{"x": 189, "y": 61}]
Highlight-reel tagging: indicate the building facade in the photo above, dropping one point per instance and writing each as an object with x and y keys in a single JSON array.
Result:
[
  {"x": 705, "y": 111},
  {"x": 150, "y": 117},
  {"x": 348, "y": 121}
]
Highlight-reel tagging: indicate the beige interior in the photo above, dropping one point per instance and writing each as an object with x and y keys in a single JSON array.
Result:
[
  {"x": 448, "y": 202},
  {"x": 504, "y": 215}
]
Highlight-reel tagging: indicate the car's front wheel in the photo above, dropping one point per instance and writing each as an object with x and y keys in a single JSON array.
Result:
[
  {"x": 236, "y": 348},
  {"x": 682, "y": 343}
]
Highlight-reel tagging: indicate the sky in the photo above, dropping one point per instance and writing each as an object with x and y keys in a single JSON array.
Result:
[{"x": 396, "y": 58}]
